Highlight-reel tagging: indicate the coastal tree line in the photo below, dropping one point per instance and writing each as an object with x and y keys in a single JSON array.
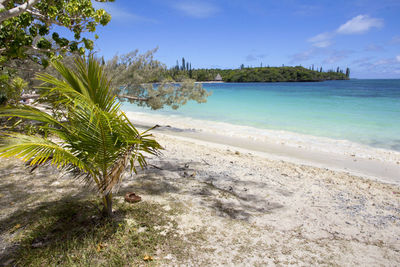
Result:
[{"x": 255, "y": 74}]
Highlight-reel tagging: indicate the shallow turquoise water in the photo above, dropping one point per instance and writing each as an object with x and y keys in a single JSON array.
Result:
[{"x": 362, "y": 111}]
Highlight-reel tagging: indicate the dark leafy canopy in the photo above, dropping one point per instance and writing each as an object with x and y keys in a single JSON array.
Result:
[
  {"x": 260, "y": 74},
  {"x": 10, "y": 89},
  {"x": 27, "y": 31},
  {"x": 91, "y": 136},
  {"x": 255, "y": 74},
  {"x": 134, "y": 77}
]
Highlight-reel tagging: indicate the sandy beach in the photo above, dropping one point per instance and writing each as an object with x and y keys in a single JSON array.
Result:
[
  {"x": 244, "y": 208},
  {"x": 254, "y": 210},
  {"x": 340, "y": 155}
]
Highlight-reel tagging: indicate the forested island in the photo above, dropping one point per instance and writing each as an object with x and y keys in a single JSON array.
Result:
[{"x": 255, "y": 74}]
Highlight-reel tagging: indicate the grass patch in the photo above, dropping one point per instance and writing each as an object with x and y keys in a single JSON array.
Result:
[{"x": 72, "y": 233}]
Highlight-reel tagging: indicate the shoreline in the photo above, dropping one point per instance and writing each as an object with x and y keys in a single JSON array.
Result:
[
  {"x": 338, "y": 155},
  {"x": 367, "y": 169},
  {"x": 210, "y": 82},
  {"x": 234, "y": 206}
]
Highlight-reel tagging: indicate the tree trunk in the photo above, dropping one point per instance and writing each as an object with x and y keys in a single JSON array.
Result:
[{"x": 107, "y": 202}]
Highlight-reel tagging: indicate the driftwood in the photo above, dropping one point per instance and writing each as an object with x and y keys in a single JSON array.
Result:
[
  {"x": 134, "y": 98},
  {"x": 29, "y": 96}
]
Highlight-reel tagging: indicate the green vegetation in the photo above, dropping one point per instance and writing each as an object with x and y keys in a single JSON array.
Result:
[
  {"x": 29, "y": 40},
  {"x": 134, "y": 76},
  {"x": 70, "y": 232},
  {"x": 87, "y": 134},
  {"x": 279, "y": 74},
  {"x": 12, "y": 90},
  {"x": 256, "y": 74},
  {"x": 25, "y": 27}
]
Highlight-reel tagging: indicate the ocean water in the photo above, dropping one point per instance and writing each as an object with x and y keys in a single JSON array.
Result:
[{"x": 361, "y": 111}]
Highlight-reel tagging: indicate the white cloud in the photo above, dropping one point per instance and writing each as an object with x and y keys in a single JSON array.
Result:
[
  {"x": 370, "y": 65},
  {"x": 365, "y": 61},
  {"x": 321, "y": 40},
  {"x": 322, "y": 44},
  {"x": 320, "y": 37},
  {"x": 306, "y": 10},
  {"x": 253, "y": 57},
  {"x": 360, "y": 24},
  {"x": 121, "y": 14},
  {"x": 334, "y": 58},
  {"x": 357, "y": 25},
  {"x": 305, "y": 55},
  {"x": 328, "y": 55},
  {"x": 385, "y": 61},
  {"x": 373, "y": 48},
  {"x": 196, "y": 9},
  {"x": 395, "y": 40},
  {"x": 337, "y": 56}
]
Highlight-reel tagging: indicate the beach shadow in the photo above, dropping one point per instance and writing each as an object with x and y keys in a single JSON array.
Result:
[
  {"x": 27, "y": 197},
  {"x": 75, "y": 217},
  {"x": 37, "y": 220},
  {"x": 20, "y": 186},
  {"x": 160, "y": 177},
  {"x": 55, "y": 223},
  {"x": 241, "y": 207},
  {"x": 152, "y": 185},
  {"x": 183, "y": 177}
]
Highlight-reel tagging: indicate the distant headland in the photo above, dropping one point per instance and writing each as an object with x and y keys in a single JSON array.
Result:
[{"x": 256, "y": 74}]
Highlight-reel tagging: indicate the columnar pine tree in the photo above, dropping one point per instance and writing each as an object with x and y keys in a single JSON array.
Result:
[{"x": 347, "y": 73}]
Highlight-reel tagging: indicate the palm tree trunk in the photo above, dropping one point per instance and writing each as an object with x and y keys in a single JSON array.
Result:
[{"x": 107, "y": 202}]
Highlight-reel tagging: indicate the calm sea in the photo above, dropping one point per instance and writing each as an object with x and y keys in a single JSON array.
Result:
[{"x": 361, "y": 111}]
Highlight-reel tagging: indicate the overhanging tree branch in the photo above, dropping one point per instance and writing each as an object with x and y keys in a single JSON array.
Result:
[
  {"x": 3, "y": 3},
  {"x": 135, "y": 98},
  {"x": 13, "y": 12},
  {"x": 44, "y": 18}
]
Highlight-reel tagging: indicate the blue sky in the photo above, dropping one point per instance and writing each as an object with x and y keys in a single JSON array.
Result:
[{"x": 361, "y": 34}]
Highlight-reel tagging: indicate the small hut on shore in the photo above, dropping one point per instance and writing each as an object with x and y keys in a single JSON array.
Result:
[{"x": 218, "y": 78}]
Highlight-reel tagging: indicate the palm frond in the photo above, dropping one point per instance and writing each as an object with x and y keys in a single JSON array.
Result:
[
  {"x": 38, "y": 150},
  {"x": 97, "y": 140},
  {"x": 29, "y": 113}
]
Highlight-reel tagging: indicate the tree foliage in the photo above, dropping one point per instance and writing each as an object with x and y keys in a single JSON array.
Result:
[
  {"x": 260, "y": 74},
  {"x": 30, "y": 38},
  {"x": 11, "y": 91},
  {"x": 28, "y": 30},
  {"x": 89, "y": 137},
  {"x": 134, "y": 77}
]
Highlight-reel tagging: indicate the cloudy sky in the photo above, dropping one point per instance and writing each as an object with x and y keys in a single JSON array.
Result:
[{"x": 361, "y": 34}]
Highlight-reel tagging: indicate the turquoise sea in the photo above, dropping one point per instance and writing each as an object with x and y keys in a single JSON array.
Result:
[{"x": 361, "y": 111}]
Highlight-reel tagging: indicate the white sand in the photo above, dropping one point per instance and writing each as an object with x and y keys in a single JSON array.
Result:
[
  {"x": 247, "y": 209},
  {"x": 342, "y": 155},
  {"x": 278, "y": 204}
]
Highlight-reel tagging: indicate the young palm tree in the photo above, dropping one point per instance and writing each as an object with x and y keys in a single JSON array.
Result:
[{"x": 89, "y": 136}]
